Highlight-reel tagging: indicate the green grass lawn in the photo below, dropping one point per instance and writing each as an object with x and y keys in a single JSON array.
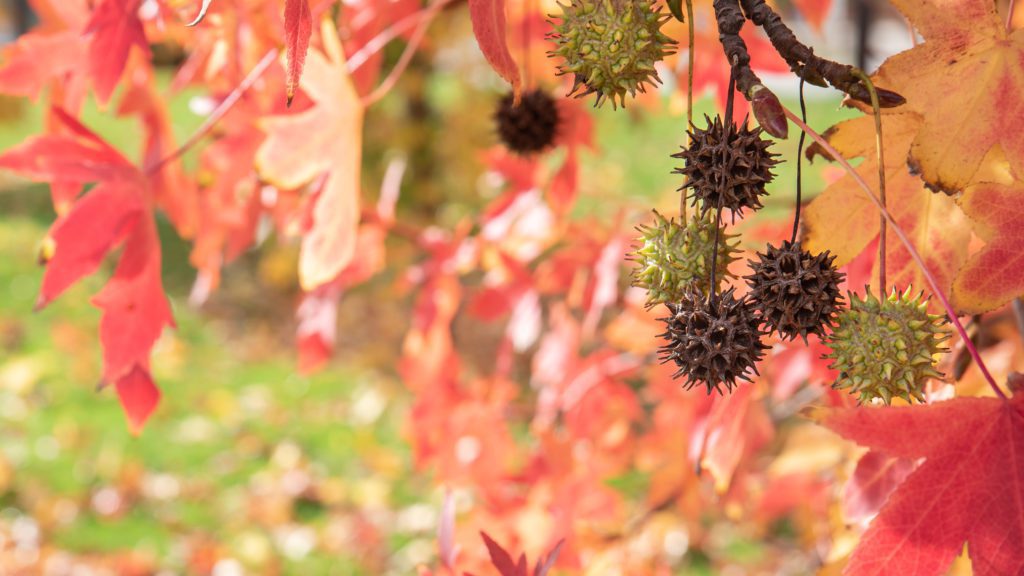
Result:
[{"x": 243, "y": 456}]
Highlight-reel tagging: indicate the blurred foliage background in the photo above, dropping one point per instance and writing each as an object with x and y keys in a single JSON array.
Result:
[{"x": 248, "y": 467}]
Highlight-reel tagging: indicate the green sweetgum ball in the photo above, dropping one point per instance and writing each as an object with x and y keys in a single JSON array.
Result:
[
  {"x": 610, "y": 47},
  {"x": 670, "y": 258},
  {"x": 887, "y": 348}
]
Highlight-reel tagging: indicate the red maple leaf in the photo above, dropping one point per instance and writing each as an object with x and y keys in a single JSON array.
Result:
[
  {"x": 970, "y": 487},
  {"x": 117, "y": 210},
  {"x": 115, "y": 27}
]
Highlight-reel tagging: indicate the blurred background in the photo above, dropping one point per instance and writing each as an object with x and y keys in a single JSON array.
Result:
[{"x": 249, "y": 466}]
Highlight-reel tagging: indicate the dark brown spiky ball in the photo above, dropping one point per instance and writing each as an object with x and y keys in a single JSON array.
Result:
[
  {"x": 795, "y": 293},
  {"x": 530, "y": 126},
  {"x": 729, "y": 170},
  {"x": 714, "y": 342}
]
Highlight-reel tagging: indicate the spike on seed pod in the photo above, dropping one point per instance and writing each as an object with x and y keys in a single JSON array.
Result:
[
  {"x": 732, "y": 170},
  {"x": 886, "y": 348},
  {"x": 670, "y": 258},
  {"x": 715, "y": 343},
  {"x": 530, "y": 126},
  {"x": 610, "y": 47},
  {"x": 795, "y": 292}
]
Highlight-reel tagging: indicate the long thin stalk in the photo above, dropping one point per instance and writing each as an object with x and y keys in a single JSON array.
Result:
[
  {"x": 689, "y": 97},
  {"x": 882, "y": 283},
  {"x": 219, "y": 111},
  {"x": 713, "y": 283},
  {"x": 799, "y": 168},
  {"x": 410, "y": 50},
  {"x": 914, "y": 255}
]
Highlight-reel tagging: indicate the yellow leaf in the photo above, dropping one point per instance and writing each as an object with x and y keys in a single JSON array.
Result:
[{"x": 323, "y": 141}]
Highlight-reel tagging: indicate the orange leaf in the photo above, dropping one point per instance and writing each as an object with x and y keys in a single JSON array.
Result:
[
  {"x": 970, "y": 487},
  {"x": 843, "y": 220},
  {"x": 735, "y": 423},
  {"x": 994, "y": 275},
  {"x": 967, "y": 43},
  {"x": 488, "y": 17},
  {"x": 324, "y": 140}
]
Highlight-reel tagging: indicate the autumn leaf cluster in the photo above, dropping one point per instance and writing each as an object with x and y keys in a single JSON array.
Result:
[{"x": 570, "y": 444}]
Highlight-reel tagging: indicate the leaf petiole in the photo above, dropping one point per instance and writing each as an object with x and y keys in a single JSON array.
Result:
[{"x": 908, "y": 244}]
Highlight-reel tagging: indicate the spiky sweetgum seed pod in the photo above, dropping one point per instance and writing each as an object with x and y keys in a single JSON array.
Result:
[
  {"x": 715, "y": 343},
  {"x": 610, "y": 47},
  {"x": 529, "y": 127},
  {"x": 886, "y": 348},
  {"x": 795, "y": 292},
  {"x": 670, "y": 258},
  {"x": 733, "y": 170}
]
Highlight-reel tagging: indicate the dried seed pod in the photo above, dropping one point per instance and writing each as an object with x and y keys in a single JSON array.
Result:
[
  {"x": 610, "y": 47},
  {"x": 671, "y": 258},
  {"x": 729, "y": 170},
  {"x": 886, "y": 348},
  {"x": 795, "y": 293},
  {"x": 714, "y": 342},
  {"x": 530, "y": 126}
]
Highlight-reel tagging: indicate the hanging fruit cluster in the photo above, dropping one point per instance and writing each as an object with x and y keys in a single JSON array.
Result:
[{"x": 882, "y": 348}]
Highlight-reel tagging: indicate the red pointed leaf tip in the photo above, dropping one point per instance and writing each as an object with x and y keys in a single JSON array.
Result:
[
  {"x": 115, "y": 29},
  {"x": 544, "y": 567},
  {"x": 502, "y": 560},
  {"x": 298, "y": 27},
  {"x": 488, "y": 19},
  {"x": 139, "y": 397},
  {"x": 768, "y": 111}
]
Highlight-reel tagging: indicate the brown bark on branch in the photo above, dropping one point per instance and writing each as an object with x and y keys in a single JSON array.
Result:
[{"x": 805, "y": 64}]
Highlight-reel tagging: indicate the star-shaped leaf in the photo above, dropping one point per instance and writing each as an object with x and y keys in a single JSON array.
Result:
[
  {"x": 323, "y": 141},
  {"x": 970, "y": 487},
  {"x": 967, "y": 79}
]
